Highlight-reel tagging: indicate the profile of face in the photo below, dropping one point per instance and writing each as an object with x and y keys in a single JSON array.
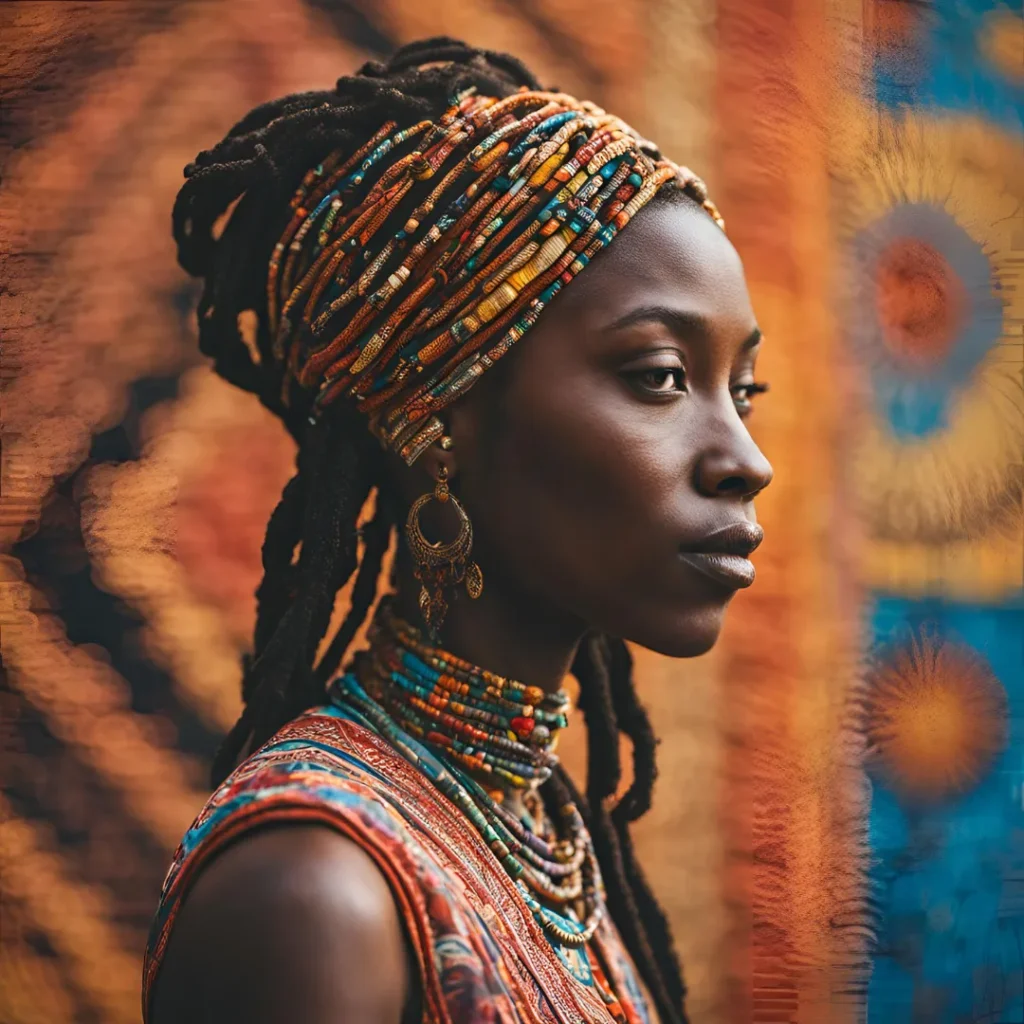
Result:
[{"x": 605, "y": 463}]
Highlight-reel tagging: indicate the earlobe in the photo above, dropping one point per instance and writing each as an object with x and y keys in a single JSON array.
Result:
[
  {"x": 407, "y": 482},
  {"x": 466, "y": 422},
  {"x": 440, "y": 460}
]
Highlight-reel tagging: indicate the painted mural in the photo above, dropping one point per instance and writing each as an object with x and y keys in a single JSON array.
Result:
[
  {"x": 935, "y": 253},
  {"x": 838, "y": 832}
]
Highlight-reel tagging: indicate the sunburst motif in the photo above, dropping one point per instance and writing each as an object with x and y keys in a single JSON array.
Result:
[
  {"x": 936, "y": 719},
  {"x": 934, "y": 307}
]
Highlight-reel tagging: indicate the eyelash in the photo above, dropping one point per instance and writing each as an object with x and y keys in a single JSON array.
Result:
[
  {"x": 743, "y": 404},
  {"x": 674, "y": 371}
]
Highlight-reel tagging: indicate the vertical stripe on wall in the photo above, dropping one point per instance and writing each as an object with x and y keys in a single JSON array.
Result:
[{"x": 792, "y": 799}]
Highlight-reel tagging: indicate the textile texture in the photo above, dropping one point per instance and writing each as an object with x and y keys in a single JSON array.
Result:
[
  {"x": 481, "y": 954},
  {"x": 836, "y": 832}
]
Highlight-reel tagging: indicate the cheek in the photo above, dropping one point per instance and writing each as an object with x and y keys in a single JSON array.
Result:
[{"x": 580, "y": 499}]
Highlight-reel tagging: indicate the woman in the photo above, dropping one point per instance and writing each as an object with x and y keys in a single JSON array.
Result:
[{"x": 399, "y": 841}]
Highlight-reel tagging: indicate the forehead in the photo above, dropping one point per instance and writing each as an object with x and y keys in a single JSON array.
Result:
[{"x": 670, "y": 254}]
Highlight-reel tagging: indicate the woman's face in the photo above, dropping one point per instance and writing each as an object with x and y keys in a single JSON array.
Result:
[{"x": 606, "y": 463}]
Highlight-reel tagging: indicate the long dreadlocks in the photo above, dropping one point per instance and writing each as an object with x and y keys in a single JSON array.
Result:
[{"x": 312, "y": 545}]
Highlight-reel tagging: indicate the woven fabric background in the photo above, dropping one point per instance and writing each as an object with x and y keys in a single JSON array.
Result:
[{"x": 837, "y": 828}]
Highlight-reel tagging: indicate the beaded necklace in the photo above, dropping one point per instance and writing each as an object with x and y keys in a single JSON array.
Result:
[{"x": 454, "y": 721}]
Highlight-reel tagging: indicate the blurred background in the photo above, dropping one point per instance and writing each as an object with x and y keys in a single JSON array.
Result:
[{"x": 838, "y": 831}]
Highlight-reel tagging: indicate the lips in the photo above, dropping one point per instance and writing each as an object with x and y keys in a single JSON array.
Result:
[{"x": 722, "y": 555}]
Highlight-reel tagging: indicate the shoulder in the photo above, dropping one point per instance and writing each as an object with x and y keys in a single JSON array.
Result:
[{"x": 291, "y": 922}]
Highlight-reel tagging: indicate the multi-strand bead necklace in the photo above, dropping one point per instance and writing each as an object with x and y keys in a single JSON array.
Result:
[
  {"x": 411, "y": 265},
  {"x": 459, "y": 725}
]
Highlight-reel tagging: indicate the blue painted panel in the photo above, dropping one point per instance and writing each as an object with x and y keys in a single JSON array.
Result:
[
  {"x": 946, "y": 63},
  {"x": 949, "y": 877}
]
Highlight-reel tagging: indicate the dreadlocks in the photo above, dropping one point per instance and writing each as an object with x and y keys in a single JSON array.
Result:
[{"x": 313, "y": 543}]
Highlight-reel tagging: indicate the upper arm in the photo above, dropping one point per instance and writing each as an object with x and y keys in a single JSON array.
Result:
[{"x": 293, "y": 924}]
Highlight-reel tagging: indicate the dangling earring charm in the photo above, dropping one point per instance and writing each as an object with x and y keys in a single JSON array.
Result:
[{"x": 441, "y": 566}]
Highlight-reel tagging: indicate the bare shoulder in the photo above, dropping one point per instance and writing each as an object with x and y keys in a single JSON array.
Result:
[{"x": 290, "y": 923}]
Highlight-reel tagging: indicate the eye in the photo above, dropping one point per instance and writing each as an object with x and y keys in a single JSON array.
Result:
[
  {"x": 658, "y": 380},
  {"x": 662, "y": 380},
  {"x": 743, "y": 395}
]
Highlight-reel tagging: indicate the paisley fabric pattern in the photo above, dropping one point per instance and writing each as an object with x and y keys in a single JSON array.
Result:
[{"x": 482, "y": 956}]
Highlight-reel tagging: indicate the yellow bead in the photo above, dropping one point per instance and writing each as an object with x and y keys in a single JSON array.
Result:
[
  {"x": 498, "y": 300},
  {"x": 546, "y": 169}
]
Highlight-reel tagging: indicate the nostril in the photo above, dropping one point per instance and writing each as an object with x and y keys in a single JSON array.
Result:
[
  {"x": 738, "y": 473},
  {"x": 733, "y": 485}
]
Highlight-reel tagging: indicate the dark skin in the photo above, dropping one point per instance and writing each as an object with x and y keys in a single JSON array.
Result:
[{"x": 595, "y": 463}]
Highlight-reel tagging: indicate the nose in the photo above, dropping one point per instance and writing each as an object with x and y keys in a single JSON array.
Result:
[{"x": 732, "y": 465}]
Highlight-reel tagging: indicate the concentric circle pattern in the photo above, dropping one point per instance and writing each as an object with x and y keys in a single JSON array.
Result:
[{"x": 933, "y": 304}]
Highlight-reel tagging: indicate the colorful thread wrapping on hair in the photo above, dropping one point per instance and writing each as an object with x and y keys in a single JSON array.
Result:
[{"x": 400, "y": 310}]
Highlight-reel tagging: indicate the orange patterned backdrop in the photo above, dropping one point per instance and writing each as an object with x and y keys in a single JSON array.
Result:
[{"x": 136, "y": 485}]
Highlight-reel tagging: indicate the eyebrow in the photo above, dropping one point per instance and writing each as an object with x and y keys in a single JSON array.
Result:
[{"x": 679, "y": 321}]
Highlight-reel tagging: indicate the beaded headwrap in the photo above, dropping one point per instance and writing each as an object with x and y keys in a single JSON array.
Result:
[{"x": 410, "y": 266}]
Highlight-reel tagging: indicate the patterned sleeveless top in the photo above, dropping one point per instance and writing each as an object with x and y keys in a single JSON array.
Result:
[{"x": 481, "y": 954}]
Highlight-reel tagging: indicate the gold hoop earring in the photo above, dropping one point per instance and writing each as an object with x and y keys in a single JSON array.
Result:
[{"x": 440, "y": 566}]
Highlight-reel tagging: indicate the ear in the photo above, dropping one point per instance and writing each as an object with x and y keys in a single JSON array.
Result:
[
  {"x": 465, "y": 422},
  {"x": 469, "y": 422},
  {"x": 443, "y": 452},
  {"x": 409, "y": 482}
]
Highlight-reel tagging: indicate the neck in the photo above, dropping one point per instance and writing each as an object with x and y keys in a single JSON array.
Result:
[{"x": 509, "y": 633}]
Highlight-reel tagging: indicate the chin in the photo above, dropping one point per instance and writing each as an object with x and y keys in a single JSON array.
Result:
[{"x": 686, "y": 634}]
